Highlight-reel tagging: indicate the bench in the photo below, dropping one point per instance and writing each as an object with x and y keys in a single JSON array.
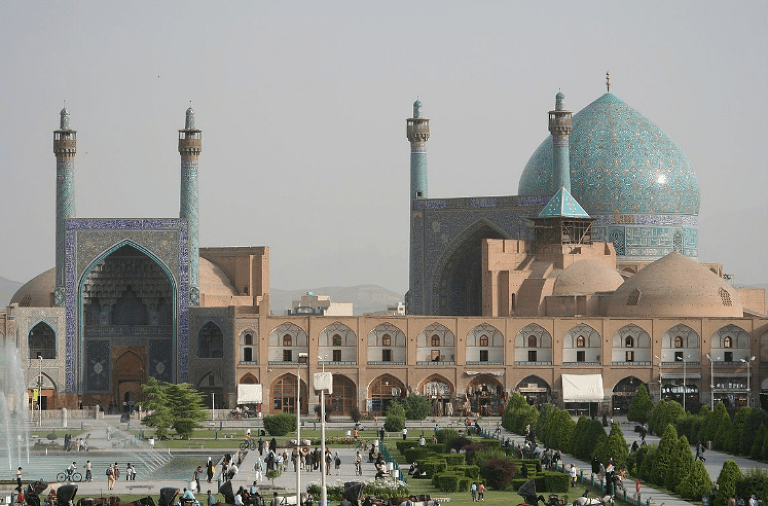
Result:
[{"x": 229, "y": 435}]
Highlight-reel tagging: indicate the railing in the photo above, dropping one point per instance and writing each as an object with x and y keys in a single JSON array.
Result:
[
  {"x": 524, "y": 363},
  {"x": 429, "y": 362},
  {"x": 484, "y": 362},
  {"x": 251, "y": 362},
  {"x": 645, "y": 363},
  {"x": 581, "y": 363},
  {"x": 384, "y": 362}
]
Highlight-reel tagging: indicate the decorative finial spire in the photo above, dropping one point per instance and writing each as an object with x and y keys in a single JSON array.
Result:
[
  {"x": 608, "y": 81},
  {"x": 189, "y": 123},
  {"x": 64, "y": 123}
]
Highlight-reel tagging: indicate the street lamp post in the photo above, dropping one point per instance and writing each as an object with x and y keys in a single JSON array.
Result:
[
  {"x": 302, "y": 360},
  {"x": 712, "y": 381},
  {"x": 685, "y": 386},
  {"x": 661, "y": 377},
  {"x": 749, "y": 375},
  {"x": 40, "y": 390},
  {"x": 323, "y": 382}
]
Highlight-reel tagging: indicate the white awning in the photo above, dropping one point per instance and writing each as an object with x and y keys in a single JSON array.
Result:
[
  {"x": 249, "y": 394},
  {"x": 582, "y": 387}
]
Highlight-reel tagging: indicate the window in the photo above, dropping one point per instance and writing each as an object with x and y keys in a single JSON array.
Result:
[
  {"x": 42, "y": 341},
  {"x": 629, "y": 342},
  {"x": 483, "y": 355},
  {"x": 532, "y": 341},
  {"x": 386, "y": 355},
  {"x": 248, "y": 340},
  {"x": 210, "y": 341},
  {"x": 580, "y": 356},
  {"x": 435, "y": 340},
  {"x": 483, "y": 340},
  {"x": 678, "y": 356},
  {"x": 679, "y": 343},
  {"x": 531, "y": 355},
  {"x": 633, "y": 298},
  {"x": 337, "y": 355},
  {"x": 248, "y": 354},
  {"x": 386, "y": 340},
  {"x": 336, "y": 340},
  {"x": 728, "y": 356},
  {"x": 630, "y": 356},
  {"x": 435, "y": 355},
  {"x": 287, "y": 356},
  {"x": 725, "y": 297},
  {"x": 287, "y": 340},
  {"x": 581, "y": 342},
  {"x": 728, "y": 342},
  {"x": 211, "y": 380}
]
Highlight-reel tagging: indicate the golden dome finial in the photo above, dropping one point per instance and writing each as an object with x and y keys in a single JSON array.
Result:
[{"x": 608, "y": 81}]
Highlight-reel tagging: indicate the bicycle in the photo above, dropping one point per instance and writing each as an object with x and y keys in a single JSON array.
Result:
[
  {"x": 250, "y": 444},
  {"x": 69, "y": 476}
]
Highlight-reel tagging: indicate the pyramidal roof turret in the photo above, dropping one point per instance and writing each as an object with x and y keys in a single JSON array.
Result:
[{"x": 563, "y": 205}]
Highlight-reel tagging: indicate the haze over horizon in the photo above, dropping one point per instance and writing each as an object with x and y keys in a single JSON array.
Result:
[{"x": 303, "y": 107}]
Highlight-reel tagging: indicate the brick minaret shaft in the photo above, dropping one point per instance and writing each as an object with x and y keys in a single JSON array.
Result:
[
  {"x": 64, "y": 147},
  {"x": 190, "y": 146},
  {"x": 560, "y": 126}
]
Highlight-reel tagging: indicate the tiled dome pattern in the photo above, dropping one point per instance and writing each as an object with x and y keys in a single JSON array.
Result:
[{"x": 620, "y": 163}]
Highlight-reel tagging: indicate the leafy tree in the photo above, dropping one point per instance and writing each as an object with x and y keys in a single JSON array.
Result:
[
  {"x": 172, "y": 405},
  {"x": 732, "y": 440},
  {"x": 395, "y": 420},
  {"x": 730, "y": 476},
  {"x": 273, "y": 474},
  {"x": 663, "y": 459},
  {"x": 755, "y": 482},
  {"x": 617, "y": 446},
  {"x": 663, "y": 414},
  {"x": 681, "y": 465},
  {"x": 756, "y": 451},
  {"x": 641, "y": 406},
  {"x": 646, "y": 457},
  {"x": 696, "y": 484},
  {"x": 756, "y": 420},
  {"x": 722, "y": 426},
  {"x": 417, "y": 407},
  {"x": 499, "y": 472}
]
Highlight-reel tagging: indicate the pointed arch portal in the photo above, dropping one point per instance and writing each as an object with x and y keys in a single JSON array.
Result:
[{"x": 459, "y": 279}]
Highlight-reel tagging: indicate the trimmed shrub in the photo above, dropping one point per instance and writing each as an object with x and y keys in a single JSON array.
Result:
[
  {"x": 395, "y": 418},
  {"x": 499, "y": 472},
  {"x": 556, "y": 482},
  {"x": 456, "y": 443},
  {"x": 473, "y": 448},
  {"x": 681, "y": 464},
  {"x": 754, "y": 482},
  {"x": 280, "y": 424},
  {"x": 445, "y": 435},
  {"x": 451, "y": 482},
  {"x": 434, "y": 466},
  {"x": 417, "y": 406},
  {"x": 416, "y": 454},
  {"x": 663, "y": 457},
  {"x": 454, "y": 459}
]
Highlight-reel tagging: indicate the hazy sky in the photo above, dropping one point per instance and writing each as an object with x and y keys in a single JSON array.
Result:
[{"x": 303, "y": 106}]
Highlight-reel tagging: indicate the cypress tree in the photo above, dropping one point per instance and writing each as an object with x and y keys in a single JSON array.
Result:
[
  {"x": 730, "y": 475},
  {"x": 641, "y": 406},
  {"x": 663, "y": 458},
  {"x": 696, "y": 484},
  {"x": 756, "y": 451},
  {"x": 681, "y": 464}
]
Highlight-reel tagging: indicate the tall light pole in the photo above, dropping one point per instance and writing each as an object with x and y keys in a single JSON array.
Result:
[
  {"x": 302, "y": 360},
  {"x": 661, "y": 377},
  {"x": 40, "y": 390},
  {"x": 685, "y": 386},
  {"x": 749, "y": 375},
  {"x": 323, "y": 382},
  {"x": 712, "y": 381}
]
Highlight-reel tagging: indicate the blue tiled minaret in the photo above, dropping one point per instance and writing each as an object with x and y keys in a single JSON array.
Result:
[
  {"x": 64, "y": 147},
  {"x": 190, "y": 146},
  {"x": 418, "y": 134},
  {"x": 561, "y": 126}
]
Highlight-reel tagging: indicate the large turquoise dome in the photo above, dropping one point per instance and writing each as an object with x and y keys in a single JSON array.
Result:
[{"x": 620, "y": 163}]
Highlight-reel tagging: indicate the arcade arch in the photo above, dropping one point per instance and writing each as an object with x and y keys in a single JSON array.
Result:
[
  {"x": 283, "y": 392},
  {"x": 382, "y": 391},
  {"x": 533, "y": 345}
]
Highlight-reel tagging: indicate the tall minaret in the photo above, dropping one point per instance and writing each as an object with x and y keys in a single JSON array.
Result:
[
  {"x": 560, "y": 126},
  {"x": 64, "y": 147},
  {"x": 418, "y": 134},
  {"x": 190, "y": 145}
]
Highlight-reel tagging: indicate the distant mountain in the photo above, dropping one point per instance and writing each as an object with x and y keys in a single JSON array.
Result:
[
  {"x": 7, "y": 289},
  {"x": 366, "y": 298}
]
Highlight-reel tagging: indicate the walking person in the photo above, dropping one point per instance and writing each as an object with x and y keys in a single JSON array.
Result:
[
  {"x": 337, "y": 463},
  {"x": 481, "y": 492},
  {"x": 18, "y": 479},
  {"x": 405, "y": 433},
  {"x": 196, "y": 476},
  {"x": 110, "y": 478},
  {"x": 473, "y": 490},
  {"x": 211, "y": 470},
  {"x": 88, "y": 471}
]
